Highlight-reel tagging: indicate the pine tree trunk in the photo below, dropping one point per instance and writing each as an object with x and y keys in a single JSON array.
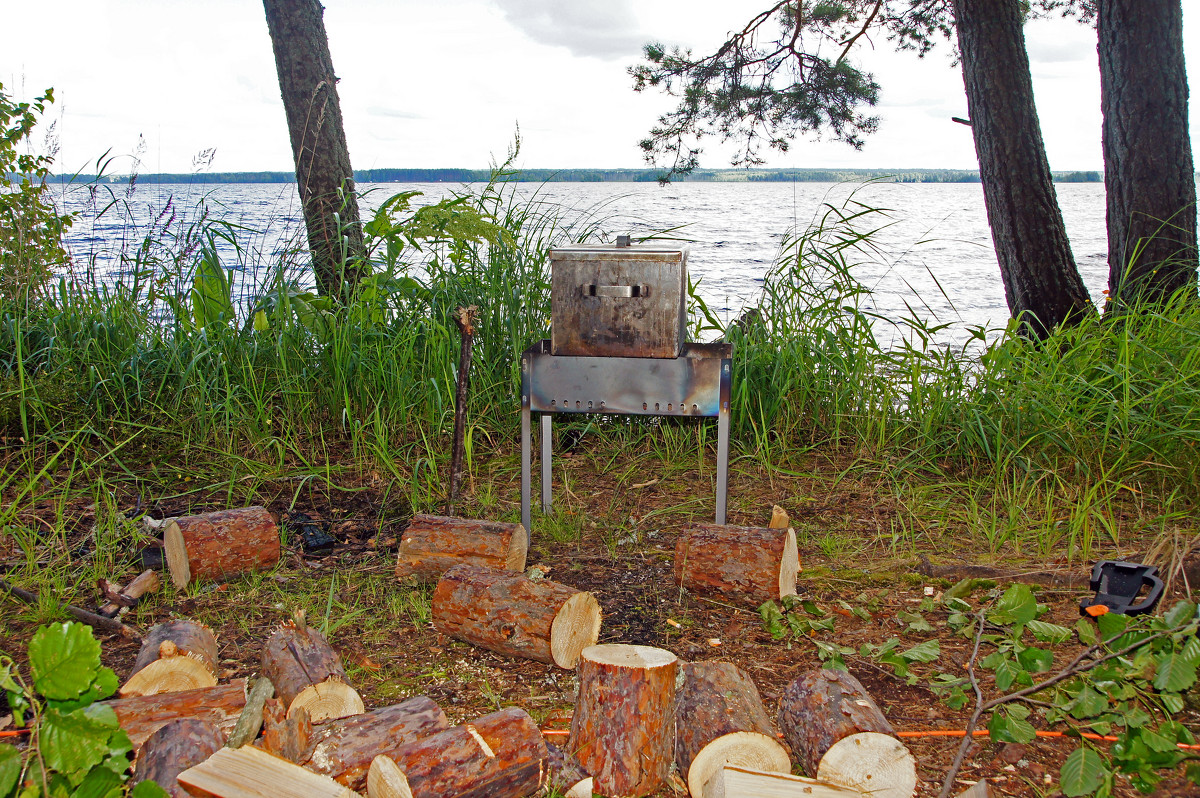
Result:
[
  {"x": 173, "y": 749},
  {"x": 1041, "y": 283},
  {"x": 324, "y": 177},
  {"x": 1149, "y": 175}
]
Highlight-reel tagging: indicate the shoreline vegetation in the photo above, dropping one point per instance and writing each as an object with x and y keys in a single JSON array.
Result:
[{"x": 591, "y": 176}]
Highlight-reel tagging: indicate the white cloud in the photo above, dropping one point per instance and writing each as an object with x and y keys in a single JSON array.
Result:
[{"x": 601, "y": 28}]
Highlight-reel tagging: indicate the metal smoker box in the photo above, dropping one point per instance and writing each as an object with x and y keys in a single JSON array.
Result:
[{"x": 618, "y": 300}]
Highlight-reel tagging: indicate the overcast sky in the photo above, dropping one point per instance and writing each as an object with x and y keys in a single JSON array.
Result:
[{"x": 443, "y": 83}]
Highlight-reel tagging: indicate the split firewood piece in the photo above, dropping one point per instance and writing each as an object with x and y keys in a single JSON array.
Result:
[
  {"x": 247, "y": 772},
  {"x": 720, "y": 720},
  {"x": 736, "y": 782},
  {"x": 753, "y": 563},
  {"x": 119, "y": 599},
  {"x": 623, "y": 728},
  {"x": 501, "y": 755},
  {"x": 140, "y": 716},
  {"x": 385, "y": 779},
  {"x": 511, "y": 614},
  {"x": 221, "y": 544},
  {"x": 176, "y": 655},
  {"x": 308, "y": 673},
  {"x": 779, "y": 518},
  {"x": 840, "y": 736},
  {"x": 343, "y": 749},
  {"x": 566, "y": 775},
  {"x": 433, "y": 544},
  {"x": 285, "y": 735},
  {"x": 173, "y": 749}
]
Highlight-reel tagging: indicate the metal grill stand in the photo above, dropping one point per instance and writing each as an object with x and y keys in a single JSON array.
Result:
[{"x": 696, "y": 383}]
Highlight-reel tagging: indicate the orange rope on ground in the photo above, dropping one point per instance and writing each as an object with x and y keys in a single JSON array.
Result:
[
  {"x": 1108, "y": 738},
  {"x": 14, "y": 733}
]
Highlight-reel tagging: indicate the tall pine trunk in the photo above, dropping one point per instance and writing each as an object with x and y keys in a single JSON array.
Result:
[
  {"x": 314, "y": 116},
  {"x": 1041, "y": 283},
  {"x": 1148, "y": 172}
]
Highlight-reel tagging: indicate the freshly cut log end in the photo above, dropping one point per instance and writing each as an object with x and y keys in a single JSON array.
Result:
[
  {"x": 433, "y": 544},
  {"x": 513, "y": 615},
  {"x": 755, "y": 564},
  {"x": 328, "y": 700},
  {"x": 307, "y": 672},
  {"x": 176, "y": 655},
  {"x": 169, "y": 675},
  {"x": 247, "y": 772},
  {"x": 220, "y": 545},
  {"x": 737, "y": 782},
  {"x": 873, "y": 763},
  {"x": 746, "y": 749},
  {"x": 385, "y": 779},
  {"x": 623, "y": 728},
  {"x": 173, "y": 749}
]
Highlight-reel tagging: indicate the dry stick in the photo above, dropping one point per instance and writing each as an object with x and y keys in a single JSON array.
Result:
[
  {"x": 251, "y": 720},
  {"x": 1074, "y": 667},
  {"x": 98, "y": 621},
  {"x": 464, "y": 319}
]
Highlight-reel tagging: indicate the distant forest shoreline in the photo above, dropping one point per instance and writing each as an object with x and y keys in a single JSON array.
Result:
[{"x": 597, "y": 176}]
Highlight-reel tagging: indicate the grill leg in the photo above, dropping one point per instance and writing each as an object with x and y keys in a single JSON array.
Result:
[
  {"x": 722, "y": 460},
  {"x": 526, "y": 466},
  {"x": 546, "y": 464}
]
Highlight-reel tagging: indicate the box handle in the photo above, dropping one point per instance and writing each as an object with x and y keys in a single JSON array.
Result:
[{"x": 616, "y": 291}]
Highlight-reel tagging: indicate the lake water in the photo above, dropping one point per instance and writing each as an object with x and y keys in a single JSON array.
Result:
[{"x": 936, "y": 254}]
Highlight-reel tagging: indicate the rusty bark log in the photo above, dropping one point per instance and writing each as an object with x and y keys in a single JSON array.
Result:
[
  {"x": 755, "y": 564},
  {"x": 140, "y": 716},
  {"x": 308, "y": 673},
  {"x": 434, "y": 544},
  {"x": 173, "y": 749},
  {"x": 176, "y": 655},
  {"x": 220, "y": 545}
]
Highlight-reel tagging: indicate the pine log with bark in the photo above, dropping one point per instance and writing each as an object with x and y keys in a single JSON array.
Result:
[
  {"x": 839, "y": 736},
  {"x": 220, "y": 545},
  {"x": 141, "y": 716},
  {"x": 175, "y": 655},
  {"x": 433, "y": 544},
  {"x": 513, "y": 615},
  {"x": 173, "y": 749},
  {"x": 308, "y": 673},
  {"x": 1149, "y": 174},
  {"x": 284, "y": 735},
  {"x": 754, "y": 564},
  {"x": 623, "y": 728},
  {"x": 720, "y": 720}
]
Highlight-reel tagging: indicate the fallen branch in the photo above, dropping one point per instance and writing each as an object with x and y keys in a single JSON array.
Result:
[
  {"x": 98, "y": 621},
  {"x": 464, "y": 318}
]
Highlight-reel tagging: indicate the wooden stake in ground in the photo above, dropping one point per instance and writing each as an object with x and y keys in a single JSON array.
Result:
[
  {"x": 755, "y": 564},
  {"x": 173, "y": 749},
  {"x": 465, "y": 319},
  {"x": 433, "y": 544},
  {"x": 511, "y": 614},
  {"x": 720, "y": 720},
  {"x": 736, "y": 782},
  {"x": 220, "y": 545},
  {"x": 120, "y": 598},
  {"x": 838, "y": 735},
  {"x": 176, "y": 655},
  {"x": 343, "y": 749},
  {"x": 141, "y": 716},
  {"x": 501, "y": 755},
  {"x": 623, "y": 729},
  {"x": 247, "y": 772},
  {"x": 308, "y": 673},
  {"x": 566, "y": 775}
]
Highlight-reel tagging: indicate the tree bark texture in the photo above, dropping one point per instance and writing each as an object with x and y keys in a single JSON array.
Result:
[
  {"x": 343, "y": 749},
  {"x": 141, "y": 716},
  {"x": 501, "y": 755},
  {"x": 754, "y": 564},
  {"x": 433, "y": 544},
  {"x": 513, "y": 615},
  {"x": 324, "y": 177},
  {"x": 623, "y": 728},
  {"x": 175, "y": 655},
  {"x": 283, "y": 735},
  {"x": 173, "y": 749},
  {"x": 308, "y": 673},
  {"x": 1041, "y": 282},
  {"x": 720, "y": 720},
  {"x": 1149, "y": 176},
  {"x": 221, "y": 544}
]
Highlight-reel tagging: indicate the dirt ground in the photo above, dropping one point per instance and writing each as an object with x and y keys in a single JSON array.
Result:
[{"x": 613, "y": 533}]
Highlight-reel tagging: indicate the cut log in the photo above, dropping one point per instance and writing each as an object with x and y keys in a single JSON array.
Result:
[
  {"x": 120, "y": 599},
  {"x": 284, "y": 735},
  {"x": 308, "y": 673},
  {"x": 566, "y": 775},
  {"x": 343, "y": 749},
  {"x": 220, "y": 545},
  {"x": 247, "y": 772},
  {"x": 513, "y": 615},
  {"x": 839, "y": 735},
  {"x": 720, "y": 720},
  {"x": 623, "y": 728},
  {"x": 385, "y": 779},
  {"x": 140, "y": 716},
  {"x": 501, "y": 755},
  {"x": 176, "y": 655},
  {"x": 173, "y": 749},
  {"x": 752, "y": 563},
  {"x": 433, "y": 544},
  {"x": 736, "y": 782}
]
